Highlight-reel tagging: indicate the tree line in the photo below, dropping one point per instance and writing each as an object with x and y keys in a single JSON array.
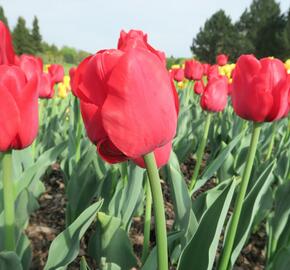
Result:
[
  {"x": 29, "y": 41},
  {"x": 261, "y": 30}
]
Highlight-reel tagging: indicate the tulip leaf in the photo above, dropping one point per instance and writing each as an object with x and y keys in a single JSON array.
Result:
[
  {"x": 65, "y": 247},
  {"x": 217, "y": 163},
  {"x": 185, "y": 219},
  {"x": 34, "y": 172},
  {"x": 10, "y": 261},
  {"x": 251, "y": 206},
  {"x": 281, "y": 260},
  {"x": 111, "y": 241},
  {"x": 201, "y": 249},
  {"x": 124, "y": 201}
]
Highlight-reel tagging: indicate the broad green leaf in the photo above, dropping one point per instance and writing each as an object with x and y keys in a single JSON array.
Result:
[
  {"x": 65, "y": 247},
  {"x": 38, "y": 168},
  {"x": 217, "y": 163},
  {"x": 185, "y": 219},
  {"x": 9, "y": 261},
  {"x": 201, "y": 249},
  {"x": 250, "y": 209},
  {"x": 111, "y": 241},
  {"x": 281, "y": 260}
]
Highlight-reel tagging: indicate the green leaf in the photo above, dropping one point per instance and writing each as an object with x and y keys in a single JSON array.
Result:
[
  {"x": 201, "y": 249},
  {"x": 251, "y": 206},
  {"x": 281, "y": 260},
  {"x": 124, "y": 201},
  {"x": 34, "y": 172},
  {"x": 185, "y": 219},
  {"x": 217, "y": 163},
  {"x": 111, "y": 241},
  {"x": 9, "y": 261},
  {"x": 65, "y": 247}
]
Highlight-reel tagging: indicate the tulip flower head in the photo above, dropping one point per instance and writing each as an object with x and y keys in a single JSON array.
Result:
[
  {"x": 215, "y": 95},
  {"x": 222, "y": 59},
  {"x": 260, "y": 89},
  {"x": 193, "y": 70},
  {"x": 198, "y": 87},
  {"x": 19, "y": 104},
  {"x": 7, "y": 55},
  {"x": 117, "y": 89}
]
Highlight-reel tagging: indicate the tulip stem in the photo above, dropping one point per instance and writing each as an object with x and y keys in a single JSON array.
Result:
[
  {"x": 271, "y": 144},
  {"x": 159, "y": 212},
  {"x": 8, "y": 202},
  {"x": 200, "y": 152},
  {"x": 230, "y": 237},
  {"x": 79, "y": 132},
  {"x": 147, "y": 220}
]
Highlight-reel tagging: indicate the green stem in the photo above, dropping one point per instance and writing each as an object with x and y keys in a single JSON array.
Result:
[
  {"x": 270, "y": 148},
  {"x": 8, "y": 197},
  {"x": 159, "y": 213},
  {"x": 79, "y": 133},
  {"x": 147, "y": 221},
  {"x": 200, "y": 152},
  {"x": 230, "y": 238}
]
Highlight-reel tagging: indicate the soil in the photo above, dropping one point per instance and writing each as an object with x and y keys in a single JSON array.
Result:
[{"x": 49, "y": 220}]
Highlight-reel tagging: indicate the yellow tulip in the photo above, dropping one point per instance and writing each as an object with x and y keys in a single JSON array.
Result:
[
  {"x": 287, "y": 65},
  {"x": 180, "y": 85},
  {"x": 46, "y": 67},
  {"x": 175, "y": 66},
  {"x": 66, "y": 81},
  {"x": 62, "y": 93}
]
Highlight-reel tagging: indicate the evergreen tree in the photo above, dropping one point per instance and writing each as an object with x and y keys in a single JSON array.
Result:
[
  {"x": 22, "y": 39},
  {"x": 263, "y": 25},
  {"x": 3, "y": 17},
  {"x": 287, "y": 34},
  {"x": 36, "y": 36},
  {"x": 219, "y": 35}
]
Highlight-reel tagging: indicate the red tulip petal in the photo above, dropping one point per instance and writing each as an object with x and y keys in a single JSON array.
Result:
[
  {"x": 139, "y": 113},
  {"x": 95, "y": 72},
  {"x": 92, "y": 120},
  {"x": 281, "y": 94},
  {"x": 275, "y": 70},
  {"x": 259, "y": 101},
  {"x": 161, "y": 155},
  {"x": 28, "y": 108},
  {"x": 9, "y": 120},
  {"x": 109, "y": 152}
]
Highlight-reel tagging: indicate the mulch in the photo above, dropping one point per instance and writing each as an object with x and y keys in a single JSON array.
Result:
[{"x": 49, "y": 220}]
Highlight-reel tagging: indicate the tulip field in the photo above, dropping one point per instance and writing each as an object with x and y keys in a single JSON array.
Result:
[{"x": 156, "y": 169}]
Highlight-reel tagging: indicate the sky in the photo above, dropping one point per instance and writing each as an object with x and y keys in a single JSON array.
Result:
[{"x": 92, "y": 25}]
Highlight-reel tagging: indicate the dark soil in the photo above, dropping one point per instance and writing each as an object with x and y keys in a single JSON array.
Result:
[{"x": 49, "y": 220}]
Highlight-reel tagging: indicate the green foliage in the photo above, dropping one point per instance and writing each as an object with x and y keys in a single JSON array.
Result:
[
  {"x": 218, "y": 35},
  {"x": 3, "y": 17},
  {"x": 261, "y": 30},
  {"x": 36, "y": 36},
  {"x": 21, "y": 38}
]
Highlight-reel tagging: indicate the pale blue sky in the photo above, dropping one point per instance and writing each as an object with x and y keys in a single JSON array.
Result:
[{"x": 94, "y": 24}]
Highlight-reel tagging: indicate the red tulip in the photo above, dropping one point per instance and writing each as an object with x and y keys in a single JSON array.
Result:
[
  {"x": 206, "y": 68},
  {"x": 18, "y": 108},
  {"x": 213, "y": 72},
  {"x": 260, "y": 89},
  {"x": 7, "y": 54},
  {"x": 178, "y": 74},
  {"x": 198, "y": 87},
  {"x": 56, "y": 73},
  {"x": 33, "y": 66},
  {"x": 128, "y": 102},
  {"x": 137, "y": 39},
  {"x": 193, "y": 70},
  {"x": 222, "y": 59},
  {"x": 215, "y": 95}
]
